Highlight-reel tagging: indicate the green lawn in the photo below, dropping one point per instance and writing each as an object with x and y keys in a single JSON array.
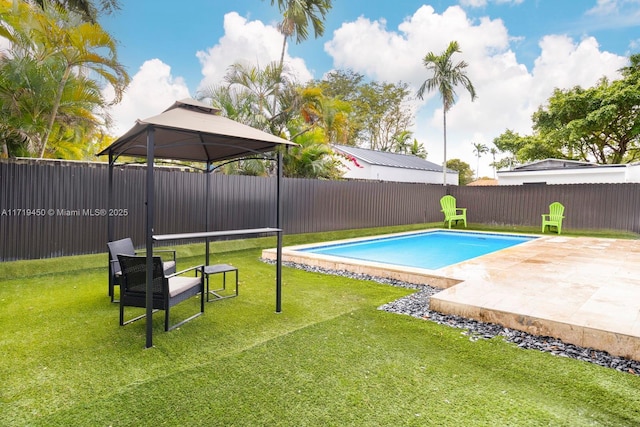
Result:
[{"x": 331, "y": 358}]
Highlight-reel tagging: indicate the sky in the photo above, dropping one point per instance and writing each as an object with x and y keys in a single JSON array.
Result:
[{"x": 518, "y": 51}]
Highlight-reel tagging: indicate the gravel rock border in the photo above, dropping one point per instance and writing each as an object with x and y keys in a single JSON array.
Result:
[{"x": 417, "y": 305}]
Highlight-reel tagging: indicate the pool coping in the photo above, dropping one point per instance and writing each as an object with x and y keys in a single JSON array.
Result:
[
  {"x": 438, "y": 278},
  {"x": 581, "y": 290}
]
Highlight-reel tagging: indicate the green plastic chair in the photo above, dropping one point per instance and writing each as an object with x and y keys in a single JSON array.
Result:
[
  {"x": 554, "y": 217},
  {"x": 451, "y": 212}
]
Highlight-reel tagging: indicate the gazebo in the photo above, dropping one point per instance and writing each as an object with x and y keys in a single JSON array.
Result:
[{"x": 191, "y": 131}]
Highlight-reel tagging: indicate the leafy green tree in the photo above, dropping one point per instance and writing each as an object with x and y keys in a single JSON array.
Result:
[
  {"x": 67, "y": 57},
  {"x": 385, "y": 113},
  {"x": 479, "y": 149},
  {"x": 303, "y": 115},
  {"x": 378, "y": 113},
  {"x": 465, "y": 174},
  {"x": 330, "y": 114},
  {"x": 509, "y": 142},
  {"x": 311, "y": 158},
  {"x": 631, "y": 73},
  {"x": 523, "y": 149},
  {"x": 320, "y": 121},
  {"x": 345, "y": 86},
  {"x": 600, "y": 123},
  {"x": 87, "y": 9},
  {"x": 445, "y": 76}
]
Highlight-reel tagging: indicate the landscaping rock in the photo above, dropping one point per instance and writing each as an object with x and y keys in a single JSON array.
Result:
[{"x": 417, "y": 305}]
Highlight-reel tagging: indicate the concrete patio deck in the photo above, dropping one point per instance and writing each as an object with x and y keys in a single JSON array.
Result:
[{"x": 585, "y": 291}]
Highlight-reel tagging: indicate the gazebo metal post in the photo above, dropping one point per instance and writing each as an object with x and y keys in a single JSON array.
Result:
[
  {"x": 206, "y": 210},
  {"x": 279, "y": 234},
  {"x": 149, "y": 234},
  {"x": 109, "y": 218}
]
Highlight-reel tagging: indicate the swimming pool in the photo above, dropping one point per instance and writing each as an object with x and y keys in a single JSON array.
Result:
[{"x": 425, "y": 250}]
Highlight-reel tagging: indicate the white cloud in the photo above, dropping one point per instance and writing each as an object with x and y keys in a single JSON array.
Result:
[
  {"x": 152, "y": 90},
  {"x": 564, "y": 63},
  {"x": 473, "y": 3},
  {"x": 246, "y": 41},
  {"x": 483, "y": 3},
  {"x": 604, "y": 7},
  {"x": 615, "y": 14},
  {"x": 508, "y": 93}
]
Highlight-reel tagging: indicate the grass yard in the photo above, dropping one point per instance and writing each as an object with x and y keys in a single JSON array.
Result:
[{"x": 331, "y": 358}]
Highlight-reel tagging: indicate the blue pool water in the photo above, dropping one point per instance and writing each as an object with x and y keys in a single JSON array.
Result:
[{"x": 430, "y": 250}]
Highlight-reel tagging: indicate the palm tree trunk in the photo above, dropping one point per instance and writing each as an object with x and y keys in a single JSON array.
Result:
[
  {"x": 284, "y": 45},
  {"x": 444, "y": 162},
  {"x": 275, "y": 90},
  {"x": 54, "y": 111}
]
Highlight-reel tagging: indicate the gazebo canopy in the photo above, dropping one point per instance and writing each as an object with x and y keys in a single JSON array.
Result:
[{"x": 192, "y": 131}]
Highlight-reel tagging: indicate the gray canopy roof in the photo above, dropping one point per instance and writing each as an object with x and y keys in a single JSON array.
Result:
[{"x": 192, "y": 131}]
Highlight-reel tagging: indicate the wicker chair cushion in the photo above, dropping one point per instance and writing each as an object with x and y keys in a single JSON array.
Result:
[{"x": 179, "y": 284}]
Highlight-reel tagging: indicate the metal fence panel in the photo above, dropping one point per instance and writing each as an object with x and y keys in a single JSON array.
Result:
[{"x": 54, "y": 208}]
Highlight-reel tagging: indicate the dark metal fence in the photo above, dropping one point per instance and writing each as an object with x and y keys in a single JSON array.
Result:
[{"x": 54, "y": 208}]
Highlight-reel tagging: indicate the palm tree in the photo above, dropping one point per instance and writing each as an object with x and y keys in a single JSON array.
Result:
[
  {"x": 311, "y": 158},
  {"x": 330, "y": 114},
  {"x": 258, "y": 86},
  {"x": 66, "y": 50},
  {"x": 493, "y": 152},
  {"x": 245, "y": 97},
  {"x": 296, "y": 15},
  {"x": 445, "y": 77},
  {"x": 85, "y": 8},
  {"x": 418, "y": 149},
  {"x": 401, "y": 142},
  {"x": 479, "y": 149}
]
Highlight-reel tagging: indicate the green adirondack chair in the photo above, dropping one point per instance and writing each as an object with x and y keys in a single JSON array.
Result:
[
  {"x": 554, "y": 217},
  {"x": 451, "y": 212}
]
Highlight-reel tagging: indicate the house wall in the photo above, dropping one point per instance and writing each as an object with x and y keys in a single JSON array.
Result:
[
  {"x": 605, "y": 175},
  {"x": 354, "y": 172},
  {"x": 633, "y": 173},
  {"x": 392, "y": 174},
  {"x": 385, "y": 173}
]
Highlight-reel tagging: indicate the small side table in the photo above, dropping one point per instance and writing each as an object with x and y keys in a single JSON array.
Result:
[{"x": 216, "y": 269}]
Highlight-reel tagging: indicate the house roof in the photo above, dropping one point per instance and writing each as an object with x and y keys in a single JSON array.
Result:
[
  {"x": 483, "y": 182},
  {"x": 384, "y": 158},
  {"x": 550, "y": 164}
]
